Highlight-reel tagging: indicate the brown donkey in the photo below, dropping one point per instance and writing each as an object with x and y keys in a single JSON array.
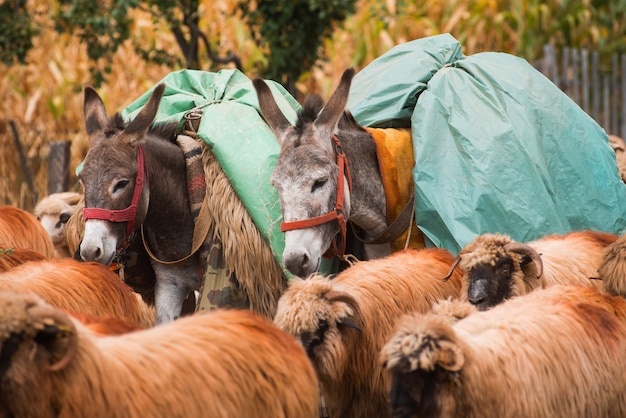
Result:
[{"x": 134, "y": 175}]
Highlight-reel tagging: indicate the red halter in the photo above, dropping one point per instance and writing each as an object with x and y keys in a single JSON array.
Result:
[
  {"x": 337, "y": 213},
  {"x": 130, "y": 213}
]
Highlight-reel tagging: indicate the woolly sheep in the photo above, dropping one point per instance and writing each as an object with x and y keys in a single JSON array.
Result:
[
  {"x": 619, "y": 146},
  {"x": 343, "y": 322},
  {"x": 82, "y": 287},
  {"x": 556, "y": 352},
  {"x": 498, "y": 268},
  {"x": 10, "y": 258},
  {"x": 53, "y": 211},
  {"x": 21, "y": 229},
  {"x": 226, "y": 363},
  {"x": 612, "y": 269}
]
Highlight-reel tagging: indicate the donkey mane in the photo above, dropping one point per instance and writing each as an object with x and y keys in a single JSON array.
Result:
[
  {"x": 164, "y": 130},
  {"x": 347, "y": 122},
  {"x": 310, "y": 109}
]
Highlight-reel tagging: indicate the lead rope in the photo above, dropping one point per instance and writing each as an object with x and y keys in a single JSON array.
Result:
[{"x": 200, "y": 231}]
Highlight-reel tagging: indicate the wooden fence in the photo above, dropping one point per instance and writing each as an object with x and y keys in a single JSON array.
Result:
[{"x": 599, "y": 87}]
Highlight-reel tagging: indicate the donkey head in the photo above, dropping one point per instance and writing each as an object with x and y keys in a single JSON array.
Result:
[
  {"x": 306, "y": 172},
  {"x": 109, "y": 173}
]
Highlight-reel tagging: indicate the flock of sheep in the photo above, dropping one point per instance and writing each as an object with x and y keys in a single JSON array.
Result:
[{"x": 504, "y": 329}]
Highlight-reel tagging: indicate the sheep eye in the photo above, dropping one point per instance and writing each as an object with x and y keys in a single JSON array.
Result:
[
  {"x": 120, "y": 185},
  {"x": 64, "y": 217},
  {"x": 505, "y": 269},
  {"x": 318, "y": 183}
]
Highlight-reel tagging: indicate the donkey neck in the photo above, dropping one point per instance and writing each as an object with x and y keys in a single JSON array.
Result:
[
  {"x": 367, "y": 200},
  {"x": 168, "y": 218}
]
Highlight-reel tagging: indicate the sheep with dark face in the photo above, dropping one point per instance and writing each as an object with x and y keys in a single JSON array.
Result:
[
  {"x": 343, "y": 322},
  {"x": 556, "y": 352},
  {"x": 498, "y": 268}
]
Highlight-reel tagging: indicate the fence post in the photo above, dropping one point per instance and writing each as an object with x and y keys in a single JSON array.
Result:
[{"x": 58, "y": 166}]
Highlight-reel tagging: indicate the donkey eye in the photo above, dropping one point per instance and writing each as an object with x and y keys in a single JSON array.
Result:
[
  {"x": 318, "y": 183},
  {"x": 120, "y": 185}
]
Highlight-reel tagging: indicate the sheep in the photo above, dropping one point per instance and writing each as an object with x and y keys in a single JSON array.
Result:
[
  {"x": 21, "y": 229},
  {"x": 555, "y": 352},
  {"x": 498, "y": 268},
  {"x": 225, "y": 363},
  {"x": 344, "y": 321},
  {"x": 10, "y": 257},
  {"x": 75, "y": 229},
  {"x": 53, "y": 211},
  {"x": 82, "y": 287},
  {"x": 612, "y": 269},
  {"x": 619, "y": 146},
  {"x": 104, "y": 325}
]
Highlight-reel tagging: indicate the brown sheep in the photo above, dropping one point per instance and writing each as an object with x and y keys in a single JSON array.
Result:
[
  {"x": 498, "y": 268},
  {"x": 556, "y": 352},
  {"x": 105, "y": 325},
  {"x": 10, "y": 258},
  {"x": 226, "y": 363},
  {"x": 75, "y": 228},
  {"x": 83, "y": 287},
  {"x": 344, "y": 321},
  {"x": 619, "y": 146},
  {"x": 20, "y": 229},
  {"x": 53, "y": 211},
  {"x": 612, "y": 269}
]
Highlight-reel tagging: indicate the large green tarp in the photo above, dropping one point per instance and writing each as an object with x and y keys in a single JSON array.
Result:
[
  {"x": 498, "y": 147},
  {"x": 235, "y": 132}
]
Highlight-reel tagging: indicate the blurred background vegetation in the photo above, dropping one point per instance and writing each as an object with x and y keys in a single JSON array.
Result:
[{"x": 51, "y": 49}]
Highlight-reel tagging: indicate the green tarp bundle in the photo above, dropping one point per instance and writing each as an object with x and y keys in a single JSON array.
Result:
[{"x": 498, "y": 147}]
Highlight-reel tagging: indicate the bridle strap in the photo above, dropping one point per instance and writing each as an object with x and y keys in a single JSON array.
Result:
[
  {"x": 129, "y": 214},
  {"x": 336, "y": 213}
]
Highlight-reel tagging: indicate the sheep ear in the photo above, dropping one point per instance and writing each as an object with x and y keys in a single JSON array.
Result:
[
  {"x": 72, "y": 199},
  {"x": 336, "y": 296},
  {"x": 450, "y": 357},
  {"x": 56, "y": 336}
]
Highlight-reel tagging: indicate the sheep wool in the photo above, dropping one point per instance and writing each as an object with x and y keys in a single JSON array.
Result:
[
  {"x": 556, "y": 352},
  {"x": 344, "y": 321},
  {"x": 226, "y": 363}
]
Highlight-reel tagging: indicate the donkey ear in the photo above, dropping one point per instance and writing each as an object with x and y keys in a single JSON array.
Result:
[
  {"x": 270, "y": 110},
  {"x": 96, "y": 117},
  {"x": 142, "y": 122},
  {"x": 329, "y": 116}
]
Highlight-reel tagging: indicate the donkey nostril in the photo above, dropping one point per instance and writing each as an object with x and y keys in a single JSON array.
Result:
[
  {"x": 98, "y": 253},
  {"x": 305, "y": 259},
  {"x": 476, "y": 300}
]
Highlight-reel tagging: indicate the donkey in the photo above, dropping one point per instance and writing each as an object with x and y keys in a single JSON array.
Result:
[
  {"x": 326, "y": 174},
  {"x": 134, "y": 177}
]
